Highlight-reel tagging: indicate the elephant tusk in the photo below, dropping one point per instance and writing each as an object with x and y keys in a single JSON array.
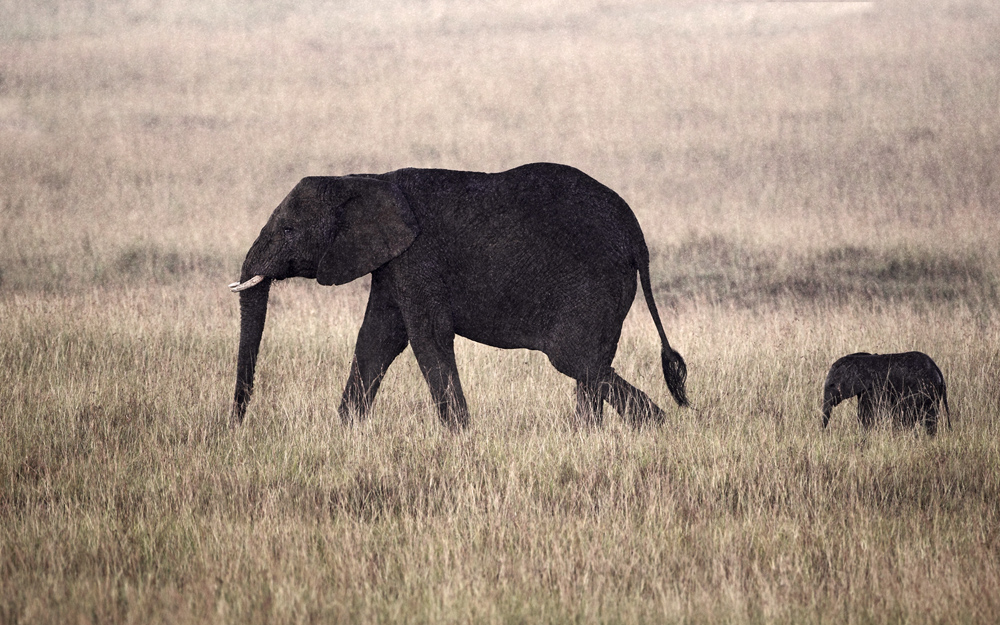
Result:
[{"x": 236, "y": 287}]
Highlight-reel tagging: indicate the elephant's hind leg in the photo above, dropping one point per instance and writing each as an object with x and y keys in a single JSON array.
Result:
[
  {"x": 635, "y": 407},
  {"x": 930, "y": 424},
  {"x": 590, "y": 403},
  {"x": 928, "y": 415}
]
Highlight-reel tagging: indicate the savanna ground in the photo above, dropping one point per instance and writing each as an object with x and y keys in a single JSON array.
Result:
[{"x": 813, "y": 179}]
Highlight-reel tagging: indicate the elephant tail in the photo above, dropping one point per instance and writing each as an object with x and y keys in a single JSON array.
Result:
[
  {"x": 943, "y": 395},
  {"x": 674, "y": 369},
  {"x": 944, "y": 402}
]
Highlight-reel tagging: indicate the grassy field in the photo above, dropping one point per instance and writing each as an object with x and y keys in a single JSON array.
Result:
[{"x": 813, "y": 179}]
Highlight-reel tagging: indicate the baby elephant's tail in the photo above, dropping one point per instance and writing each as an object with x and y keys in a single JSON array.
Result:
[
  {"x": 674, "y": 369},
  {"x": 943, "y": 389},
  {"x": 944, "y": 402}
]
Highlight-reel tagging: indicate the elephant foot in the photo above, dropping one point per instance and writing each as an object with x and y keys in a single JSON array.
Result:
[
  {"x": 641, "y": 413},
  {"x": 634, "y": 406},
  {"x": 351, "y": 414},
  {"x": 456, "y": 420}
]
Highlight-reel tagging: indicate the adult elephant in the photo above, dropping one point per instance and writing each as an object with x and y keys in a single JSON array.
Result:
[
  {"x": 541, "y": 257},
  {"x": 908, "y": 387}
]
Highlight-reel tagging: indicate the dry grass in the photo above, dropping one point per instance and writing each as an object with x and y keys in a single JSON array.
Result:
[{"x": 813, "y": 179}]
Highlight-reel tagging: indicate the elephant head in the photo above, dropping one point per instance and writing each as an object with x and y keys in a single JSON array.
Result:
[
  {"x": 845, "y": 380},
  {"x": 332, "y": 229}
]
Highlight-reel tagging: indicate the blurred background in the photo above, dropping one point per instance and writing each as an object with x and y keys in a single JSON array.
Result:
[{"x": 759, "y": 143}]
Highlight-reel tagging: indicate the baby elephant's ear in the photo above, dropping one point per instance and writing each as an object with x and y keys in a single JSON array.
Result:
[{"x": 371, "y": 228}]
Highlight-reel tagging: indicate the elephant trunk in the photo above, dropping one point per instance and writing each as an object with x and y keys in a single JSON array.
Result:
[
  {"x": 253, "y": 312},
  {"x": 832, "y": 396}
]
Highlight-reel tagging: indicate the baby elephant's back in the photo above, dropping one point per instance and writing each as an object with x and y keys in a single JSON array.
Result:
[
  {"x": 917, "y": 364},
  {"x": 914, "y": 372}
]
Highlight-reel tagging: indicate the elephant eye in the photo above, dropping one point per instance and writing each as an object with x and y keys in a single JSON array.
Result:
[{"x": 287, "y": 229}]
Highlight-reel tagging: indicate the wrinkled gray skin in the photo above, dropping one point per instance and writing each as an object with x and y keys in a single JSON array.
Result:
[
  {"x": 907, "y": 386},
  {"x": 540, "y": 257}
]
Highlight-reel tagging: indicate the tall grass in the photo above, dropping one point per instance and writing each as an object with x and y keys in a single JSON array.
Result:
[
  {"x": 813, "y": 179},
  {"x": 126, "y": 499}
]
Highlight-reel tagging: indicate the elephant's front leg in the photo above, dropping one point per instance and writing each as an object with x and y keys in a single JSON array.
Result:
[
  {"x": 382, "y": 338},
  {"x": 433, "y": 342},
  {"x": 866, "y": 410}
]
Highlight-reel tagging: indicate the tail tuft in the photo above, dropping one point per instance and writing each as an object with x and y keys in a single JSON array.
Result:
[{"x": 675, "y": 373}]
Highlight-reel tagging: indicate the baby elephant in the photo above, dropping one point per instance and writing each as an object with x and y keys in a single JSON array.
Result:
[{"x": 908, "y": 386}]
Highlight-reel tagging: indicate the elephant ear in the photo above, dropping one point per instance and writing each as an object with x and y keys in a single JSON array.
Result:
[{"x": 371, "y": 228}]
